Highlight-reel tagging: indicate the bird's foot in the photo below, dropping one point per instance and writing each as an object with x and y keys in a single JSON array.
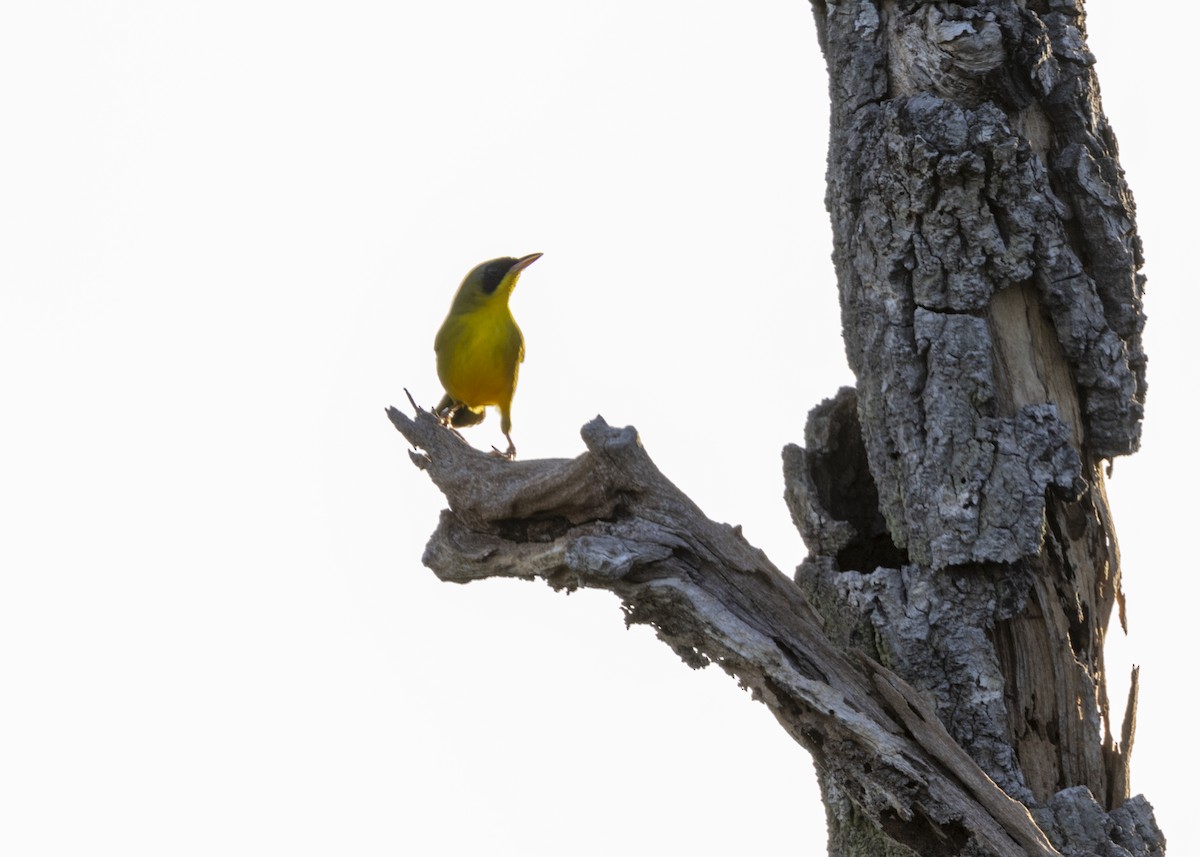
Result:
[{"x": 509, "y": 454}]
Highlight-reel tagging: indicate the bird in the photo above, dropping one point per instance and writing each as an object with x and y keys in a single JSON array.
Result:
[{"x": 479, "y": 347}]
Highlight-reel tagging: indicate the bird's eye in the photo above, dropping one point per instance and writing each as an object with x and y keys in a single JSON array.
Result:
[{"x": 494, "y": 273}]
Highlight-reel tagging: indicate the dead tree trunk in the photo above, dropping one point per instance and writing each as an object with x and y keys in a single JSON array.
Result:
[
  {"x": 941, "y": 650},
  {"x": 988, "y": 268}
]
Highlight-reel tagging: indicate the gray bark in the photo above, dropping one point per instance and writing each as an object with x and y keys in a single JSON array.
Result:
[
  {"x": 988, "y": 268},
  {"x": 610, "y": 520},
  {"x": 940, "y": 652}
]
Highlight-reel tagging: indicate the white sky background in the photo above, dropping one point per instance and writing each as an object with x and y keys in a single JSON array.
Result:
[{"x": 228, "y": 233}]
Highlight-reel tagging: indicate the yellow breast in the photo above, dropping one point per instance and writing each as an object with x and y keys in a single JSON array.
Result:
[{"x": 478, "y": 354}]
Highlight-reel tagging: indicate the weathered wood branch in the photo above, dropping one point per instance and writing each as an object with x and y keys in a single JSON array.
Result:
[{"x": 610, "y": 520}]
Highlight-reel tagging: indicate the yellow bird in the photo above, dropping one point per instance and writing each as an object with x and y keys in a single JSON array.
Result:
[{"x": 479, "y": 347}]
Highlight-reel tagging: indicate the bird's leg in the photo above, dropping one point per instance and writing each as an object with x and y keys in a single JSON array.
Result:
[
  {"x": 444, "y": 410},
  {"x": 506, "y": 427}
]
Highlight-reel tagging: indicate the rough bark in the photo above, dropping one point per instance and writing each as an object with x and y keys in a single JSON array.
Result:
[
  {"x": 988, "y": 268},
  {"x": 940, "y": 652},
  {"x": 610, "y": 520}
]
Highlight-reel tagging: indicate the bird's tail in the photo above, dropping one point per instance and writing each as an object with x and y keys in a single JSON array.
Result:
[
  {"x": 459, "y": 414},
  {"x": 464, "y": 416}
]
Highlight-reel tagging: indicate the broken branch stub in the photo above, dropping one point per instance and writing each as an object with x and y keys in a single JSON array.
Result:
[{"x": 609, "y": 519}]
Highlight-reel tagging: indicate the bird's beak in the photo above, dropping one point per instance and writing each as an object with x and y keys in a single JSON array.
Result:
[{"x": 523, "y": 263}]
